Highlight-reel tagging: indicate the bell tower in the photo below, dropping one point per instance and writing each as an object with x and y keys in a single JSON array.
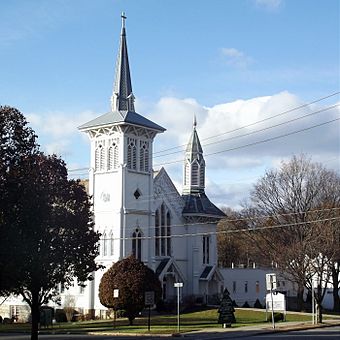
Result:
[{"x": 121, "y": 176}]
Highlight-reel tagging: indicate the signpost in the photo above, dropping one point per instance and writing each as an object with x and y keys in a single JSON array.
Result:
[
  {"x": 149, "y": 299},
  {"x": 115, "y": 295},
  {"x": 271, "y": 284},
  {"x": 178, "y": 285}
]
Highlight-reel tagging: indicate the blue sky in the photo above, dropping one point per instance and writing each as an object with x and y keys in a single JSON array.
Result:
[{"x": 229, "y": 62}]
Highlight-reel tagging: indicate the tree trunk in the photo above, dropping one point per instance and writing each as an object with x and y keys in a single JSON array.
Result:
[
  {"x": 35, "y": 315},
  {"x": 300, "y": 298},
  {"x": 336, "y": 298}
]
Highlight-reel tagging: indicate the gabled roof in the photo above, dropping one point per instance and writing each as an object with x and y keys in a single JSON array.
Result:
[
  {"x": 208, "y": 273},
  {"x": 200, "y": 205},
  {"x": 116, "y": 117}
]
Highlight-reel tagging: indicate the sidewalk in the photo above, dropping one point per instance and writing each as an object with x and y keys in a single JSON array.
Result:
[{"x": 264, "y": 328}]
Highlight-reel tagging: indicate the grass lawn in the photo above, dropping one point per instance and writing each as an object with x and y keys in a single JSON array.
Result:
[{"x": 159, "y": 323}]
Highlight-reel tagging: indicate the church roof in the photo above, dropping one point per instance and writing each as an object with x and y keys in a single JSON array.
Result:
[
  {"x": 122, "y": 100},
  {"x": 194, "y": 146},
  {"x": 116, "y": 117},
  {"x": 200, "y": 205}
]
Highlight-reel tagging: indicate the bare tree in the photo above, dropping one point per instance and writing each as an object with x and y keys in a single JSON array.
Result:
[
  {"x": 69, "y": 306},
  {"x": 295, "y": 211}
]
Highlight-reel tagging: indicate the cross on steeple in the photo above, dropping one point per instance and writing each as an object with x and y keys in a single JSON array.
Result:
[
  {"x": 122, "y": 99},
  {"x": 123, "y": 16}
]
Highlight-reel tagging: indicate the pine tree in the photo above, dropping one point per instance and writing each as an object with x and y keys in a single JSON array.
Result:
[{"x": 226, "y": 310}]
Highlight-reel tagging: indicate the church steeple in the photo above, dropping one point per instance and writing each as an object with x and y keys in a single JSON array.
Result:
[
  {"x": 122, "y": 99},
  {"x": 194, "y": 165}
]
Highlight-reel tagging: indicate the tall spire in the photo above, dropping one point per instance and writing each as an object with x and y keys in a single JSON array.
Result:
[
  {"x": 122, "y": 98},
  {"x": 194, "y": 165}
]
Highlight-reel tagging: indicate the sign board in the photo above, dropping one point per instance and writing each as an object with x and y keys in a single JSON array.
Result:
[
  {"x": 178, "y": 284},
  {"x": 149, "y": 298},
  {"x": 271, "y": 282},
  {"x": 116, "y": 293},
  {"x": 279, "y": 302}
]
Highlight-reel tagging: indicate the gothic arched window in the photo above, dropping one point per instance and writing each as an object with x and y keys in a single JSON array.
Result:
[
  {"x": 194, "y": 173},
  {"x": 99, "y": 156},
  {"x": 131, "y": 154},
  {"x": 104, "y": 244},
  {"x": 112, "y": 155},
  {"x": 137, "y": 244},
  {"x": 162, "y": 232},
  {"x": 111, "y": 243},
  {"x": 157, "y": 233},
  {"x": 144, "y": 156},
  {"x": 202, "y": 174}
]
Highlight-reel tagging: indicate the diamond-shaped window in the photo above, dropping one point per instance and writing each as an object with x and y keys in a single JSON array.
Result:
[{"x": 137, "y": 194}]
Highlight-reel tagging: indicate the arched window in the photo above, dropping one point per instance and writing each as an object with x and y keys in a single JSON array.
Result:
[
  {"x": 99, "y": 155},
  {"x": 104, "y": 244},
  {"x": 206, "y": 249},
  {"x": 202, "y": 174},
  {"x": 132, "y": 154},
  {"x": 157, "y": 233},
  {"x": 137, "y": 244},
  {"x": 111, "y": 243},
  {"x": 187, "y": 173},
  {"x": 194, "y": 173},
  {"x": 168, "y": 234},
  {"x": 162, "y": 232},
  {"x": 144, "y": 156},
  {"x": 112, "y": 155}
]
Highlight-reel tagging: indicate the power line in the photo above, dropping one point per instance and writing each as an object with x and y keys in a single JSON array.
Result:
[
  {"x": 260, "y": 130},
  {"x": 257, "y": 122},
  {"x": 258, "y": 142},
  {"x": 295, "y": 224},
  {"x": 237, "y": 129},
  {"x": 243, "y": 219}
]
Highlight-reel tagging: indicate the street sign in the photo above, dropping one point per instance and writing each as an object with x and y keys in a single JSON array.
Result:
[
  {"x": 178, "y": 284},
  {"x": 149, "y": 298},
  {"x": 271, "y": 281}
]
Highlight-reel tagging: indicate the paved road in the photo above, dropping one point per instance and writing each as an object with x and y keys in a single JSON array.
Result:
[{"x": 332, "y": 333}]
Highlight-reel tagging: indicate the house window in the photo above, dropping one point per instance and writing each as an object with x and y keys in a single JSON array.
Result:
[
  {"x": 132, "y": 154},
  {"x": 137, "y": 244},
  {"x": 257, "y": 287},
  {"x": 163, "y": 232},
  {"x": 206, "y": 249},
  {"x": 62, "y": 288},
  {"x": 81, "y": 288}
]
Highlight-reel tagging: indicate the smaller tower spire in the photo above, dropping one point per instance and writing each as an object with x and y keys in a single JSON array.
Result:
[
  {"x": 122, "y": 99},
  {"x": 194, "y": 165}
]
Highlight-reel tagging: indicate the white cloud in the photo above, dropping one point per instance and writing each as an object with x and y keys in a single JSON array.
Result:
[
  {"x": 236, "y": 58},
  {"x": 228, "y": 126},
  {"x": 269, "y": 4}
]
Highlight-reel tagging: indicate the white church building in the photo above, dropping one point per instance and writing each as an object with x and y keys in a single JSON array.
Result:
[{"x": 138, "y": 210}]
